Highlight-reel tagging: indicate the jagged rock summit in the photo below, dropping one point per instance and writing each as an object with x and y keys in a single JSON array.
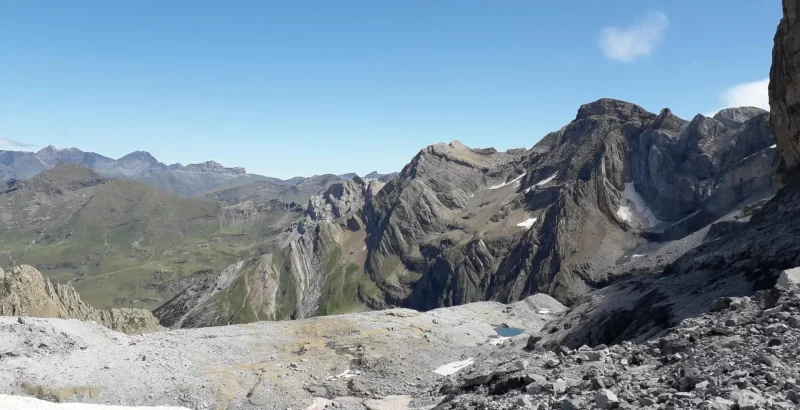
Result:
[{"x": 24, "y": 292}]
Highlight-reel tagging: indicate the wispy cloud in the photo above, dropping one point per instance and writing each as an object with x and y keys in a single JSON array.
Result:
[
  {"x": 752, "y": 94},
  {"x": 9, "y": 144},
  {"x": 627, "y": 44}
]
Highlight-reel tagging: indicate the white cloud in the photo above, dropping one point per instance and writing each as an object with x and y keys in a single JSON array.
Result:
[
  {"x": 626, "y": 44},
  {"x": 753, "y": 94},
  {"x": 7, "y": 143}
]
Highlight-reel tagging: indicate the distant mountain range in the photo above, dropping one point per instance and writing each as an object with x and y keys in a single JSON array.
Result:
[{"x": 187, "y": 181}]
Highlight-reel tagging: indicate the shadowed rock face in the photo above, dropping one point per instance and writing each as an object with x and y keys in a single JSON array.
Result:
[
  {"x": 784, "y": 88},
  {"x": 460, "y": 225},
  {"x": 24, "y": 292}
]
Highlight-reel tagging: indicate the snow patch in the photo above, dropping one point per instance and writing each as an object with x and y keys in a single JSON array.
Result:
[
  {"x": 29, "y": 403},
  {"x": 542, "y": 182},
  {"x": 546, "y": 180},
  {"x": 454, "y": 367},
  {"x": 544, "y": 312},
  {"x": 637, "y": 256},
  {"x": 498, "y": 341},
  {"x": 528, "y": 223},
  {"x": 633, "y": 208},
  {"x": 514, "y": 181},
  {"x": 774, "y": 146}
]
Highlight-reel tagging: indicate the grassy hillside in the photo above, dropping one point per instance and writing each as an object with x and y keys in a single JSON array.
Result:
[{"x": 124, "y": 242}]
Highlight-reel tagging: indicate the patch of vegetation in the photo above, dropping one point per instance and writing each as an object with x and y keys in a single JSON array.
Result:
[
  {"x": 341, "y": 290},
  {"x": 234, "y": 303}
]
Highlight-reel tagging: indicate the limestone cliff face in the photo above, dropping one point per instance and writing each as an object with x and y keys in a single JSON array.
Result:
[
  {"x": 784, "y": 88},
  {"x": 25, "y": 292}
]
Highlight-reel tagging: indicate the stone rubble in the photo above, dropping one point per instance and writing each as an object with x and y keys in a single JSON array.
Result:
[{"x": 743, "y": 354}]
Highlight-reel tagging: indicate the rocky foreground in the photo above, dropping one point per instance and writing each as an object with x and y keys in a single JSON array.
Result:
[
  {"x": 742, "y": 354},
  {"x": 370, "y": 360}
]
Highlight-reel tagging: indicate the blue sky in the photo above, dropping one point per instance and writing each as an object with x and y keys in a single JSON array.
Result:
[{"x": 311, "y": 87}]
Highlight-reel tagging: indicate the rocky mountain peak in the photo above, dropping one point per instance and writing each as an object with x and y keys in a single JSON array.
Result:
[
  {"x": 702, "y": 131},
  {"x": 66, "y": 154},
  {"x": 458, "y": 153},
  {"x": 610, "y": 107},
  {"x": 143, "y": 156},
  {"x": 667, "y": 121},
  {"x": 734, "y": 118},
  {"x": 50, "y": 152},
  {"x": 215, "y": 168}
]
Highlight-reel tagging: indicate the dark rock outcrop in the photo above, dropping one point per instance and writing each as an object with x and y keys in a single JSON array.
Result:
[{"x": 784, "y": 88}]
